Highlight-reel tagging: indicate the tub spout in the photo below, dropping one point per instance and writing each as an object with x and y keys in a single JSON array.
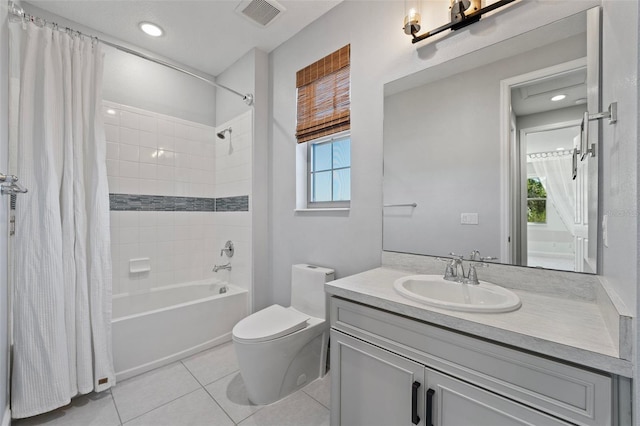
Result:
[{"x": 226, "y": 266}]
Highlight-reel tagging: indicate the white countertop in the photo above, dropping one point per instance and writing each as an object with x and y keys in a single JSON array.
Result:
[{"x": 570, "y": 330}]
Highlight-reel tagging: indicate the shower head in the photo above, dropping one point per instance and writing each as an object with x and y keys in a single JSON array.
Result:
[{"x": 221, "y": 134}]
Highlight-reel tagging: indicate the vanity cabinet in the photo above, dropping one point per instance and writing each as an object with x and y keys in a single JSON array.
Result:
[{"x": 391, "y": 370}]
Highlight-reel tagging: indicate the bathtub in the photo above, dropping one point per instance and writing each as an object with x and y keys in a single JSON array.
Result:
[{"x": 165, "y": 324}]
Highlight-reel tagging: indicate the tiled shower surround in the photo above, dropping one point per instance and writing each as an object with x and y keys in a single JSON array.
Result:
[{"x": 177, "y": 194}]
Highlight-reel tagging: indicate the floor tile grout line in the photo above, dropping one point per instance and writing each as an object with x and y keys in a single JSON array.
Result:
[
  {"x": 221, "y": 407},
  {"x": 208, "y": 393},
  {"x": 315, "y": 399},
  {"x": 161, "y": 405},
  {"x": 116, "y": 407}
]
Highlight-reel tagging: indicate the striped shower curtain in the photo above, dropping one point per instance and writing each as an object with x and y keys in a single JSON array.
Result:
[{"x": 61, "y": 278}]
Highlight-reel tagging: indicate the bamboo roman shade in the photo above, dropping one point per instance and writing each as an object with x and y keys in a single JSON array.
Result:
[{"x": 324, "y": 96}]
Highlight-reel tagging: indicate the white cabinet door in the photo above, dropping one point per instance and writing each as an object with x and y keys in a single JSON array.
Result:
[
  {"x": 371, "y": 386},
  {"x": 457, "y": 403}
]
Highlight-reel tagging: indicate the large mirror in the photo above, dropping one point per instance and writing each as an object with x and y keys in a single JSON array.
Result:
[{"x": 479, "y": 152}]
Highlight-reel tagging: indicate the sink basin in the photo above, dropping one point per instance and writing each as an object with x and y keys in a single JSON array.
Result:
[{"x": 434, "y": 290}]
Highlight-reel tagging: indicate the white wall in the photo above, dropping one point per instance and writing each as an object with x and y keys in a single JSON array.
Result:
[
  {"x": 619, "y": 163},
  {"x": 442, "y": 151},
  {"x": 250, "y": 75},
  {"x": 133, "y": 81},
  {"x": 380, "y": 52},
  {"x": 4, "y": 154}
]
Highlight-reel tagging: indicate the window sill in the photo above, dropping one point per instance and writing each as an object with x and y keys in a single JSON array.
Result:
[{"x": 323, "y": 209}]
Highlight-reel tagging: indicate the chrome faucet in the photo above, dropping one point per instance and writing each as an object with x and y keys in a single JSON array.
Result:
[
  {"x": 454, "y": 270},
  {"x": 226, "y": 266}
]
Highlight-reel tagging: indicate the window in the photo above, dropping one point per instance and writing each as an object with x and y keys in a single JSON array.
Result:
[
  {"x": 323, "y": 124},
  {"x": 329, "y": 177},
  {"x": 536, "y": 201}
]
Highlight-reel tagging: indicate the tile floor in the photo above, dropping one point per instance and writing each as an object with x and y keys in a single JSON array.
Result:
[{"x": 205, "y": 389}]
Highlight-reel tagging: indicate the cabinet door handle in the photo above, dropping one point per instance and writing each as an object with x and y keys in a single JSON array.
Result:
[
  {"x": 415, "y": 419},
  {"x": 430, "y": 393}
]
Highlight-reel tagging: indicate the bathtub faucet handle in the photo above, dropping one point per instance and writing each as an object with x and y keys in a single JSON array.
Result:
[{"x": 228, "y": 249}]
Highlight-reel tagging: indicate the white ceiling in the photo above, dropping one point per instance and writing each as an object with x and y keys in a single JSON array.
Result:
[
  {"x": 535, "y": 97},
  {"x": 207, "y": 35}
]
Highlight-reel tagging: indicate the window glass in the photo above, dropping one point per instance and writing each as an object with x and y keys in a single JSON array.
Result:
[
  {"x": 330, "y": 172},
  {"x": 321, "y": 184},
  {"x": 341, "y": 153},
  {"x": 321, "y": 156},
  {"x": 342, "y": 185},
  {"x": 536, "y": 201}
]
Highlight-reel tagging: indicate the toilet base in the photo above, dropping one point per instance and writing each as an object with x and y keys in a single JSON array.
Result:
[{"x": 272, "y": 370}]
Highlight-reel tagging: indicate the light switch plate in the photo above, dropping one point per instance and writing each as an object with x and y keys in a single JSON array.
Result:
[{"x": 469, "y": 218}]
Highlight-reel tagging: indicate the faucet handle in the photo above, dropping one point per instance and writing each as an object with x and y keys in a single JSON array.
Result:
[
  {"x": 456, "y": 256},
  {"x": 473, "y": 274}
]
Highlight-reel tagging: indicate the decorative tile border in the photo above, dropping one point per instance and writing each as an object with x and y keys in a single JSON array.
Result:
[
  {"x": 135, "y": 202},
  {"x": 233, "y": 204}
]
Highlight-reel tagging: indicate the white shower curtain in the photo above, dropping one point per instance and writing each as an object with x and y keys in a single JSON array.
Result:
[
  {"x": 61, "y": 249},
  {"x": 554, "y": 171}
]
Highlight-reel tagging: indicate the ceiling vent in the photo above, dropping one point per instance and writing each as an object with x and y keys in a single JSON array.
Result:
[{"x": 260, "y": 12}]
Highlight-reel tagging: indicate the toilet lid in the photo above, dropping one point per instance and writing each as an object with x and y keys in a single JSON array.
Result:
[{"x": 270, "y": 323}]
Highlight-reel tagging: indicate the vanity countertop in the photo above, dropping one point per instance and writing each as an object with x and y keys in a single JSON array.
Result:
[{"x": 570, "y": 330}]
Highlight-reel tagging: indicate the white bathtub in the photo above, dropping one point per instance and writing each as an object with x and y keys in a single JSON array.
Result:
[{"x": 166, "y": 324}]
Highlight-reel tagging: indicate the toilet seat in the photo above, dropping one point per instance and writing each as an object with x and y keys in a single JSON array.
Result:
[{"x": 269, "y": 324}]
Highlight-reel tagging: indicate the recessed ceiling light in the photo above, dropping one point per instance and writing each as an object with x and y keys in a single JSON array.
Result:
[
  {"x": 111, "y": 111},
  {"x": 557, "y": 98},
  {"x": 560, "y": 149},
  {"x": 581, "y": 101},
  {"x": 151, "y": 29}
]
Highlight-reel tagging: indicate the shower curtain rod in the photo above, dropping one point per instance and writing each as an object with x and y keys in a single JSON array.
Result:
[{"x": 19, "y": 12}]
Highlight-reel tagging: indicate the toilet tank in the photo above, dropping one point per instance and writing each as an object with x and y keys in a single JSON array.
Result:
[{"x": 307, "y": 288}]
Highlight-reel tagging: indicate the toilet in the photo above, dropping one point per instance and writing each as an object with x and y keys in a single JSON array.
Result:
[{"x": 281, "y": 349}]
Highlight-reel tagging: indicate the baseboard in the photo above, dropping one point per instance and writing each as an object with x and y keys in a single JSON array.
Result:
[{"x": 6, "y": 418}]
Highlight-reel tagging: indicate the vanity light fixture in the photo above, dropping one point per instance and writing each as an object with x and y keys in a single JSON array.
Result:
[
  {"x": 557, "y": 98},
  {"x": 463, "y": 13},
  {"x": 151, "y": 29}
]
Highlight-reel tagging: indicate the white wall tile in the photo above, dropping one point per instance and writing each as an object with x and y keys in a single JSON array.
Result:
[
  {"x": 166, "y": 127},
  {"x": 166, "y": 142},
  {"x": 129, "y": 136},
  {"x": 182, "y": 131},
  {"x": 129, "y": 153},
  {"x": 129, "y": 185},
  {"x": 113, "y": 183},
  {"x": 111, "y": 115},
  {"x": 165, "y": 157},
  {"x": 111, "y": 133},
  {"x": 113, "y": 150},
  {"x": 130, "y": 120},
  {"x": 148, "y": 123},
  {"x": 113, "y": 167},
  {"x": 149, "y": 187},
  {"x": 129, "y": 169},
  {"x": 148, "y": 139},
  {"x": 153, "y": 154},
  {"x": 148, "y": 171},
  {"x": 148, "y": 155}
]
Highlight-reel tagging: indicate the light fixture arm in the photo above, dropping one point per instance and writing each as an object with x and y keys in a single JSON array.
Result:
[{"x": 463, "y": 22}]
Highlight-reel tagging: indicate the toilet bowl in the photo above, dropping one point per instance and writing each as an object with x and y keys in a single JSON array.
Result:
[{"x": 280, "y": 349}]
